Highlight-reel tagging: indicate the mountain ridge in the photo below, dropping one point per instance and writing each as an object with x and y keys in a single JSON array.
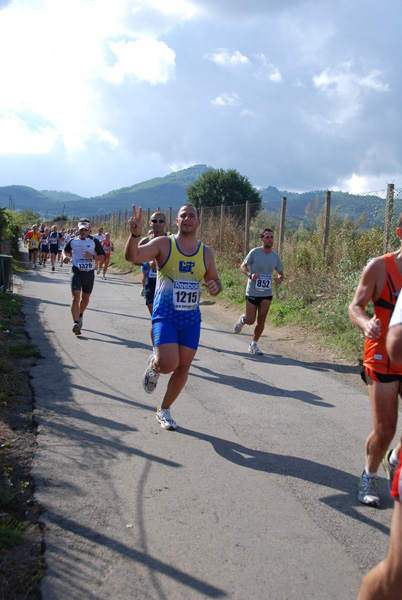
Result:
[{"x": 169, "y": 191}]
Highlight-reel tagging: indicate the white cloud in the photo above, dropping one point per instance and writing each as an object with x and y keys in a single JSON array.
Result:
[
  {"x": 342, "y": 81},
  {"x": 17, "y": 138},
  {"x": 274, "y": 74},
  {"x": 248, "y": 113},
  {"x": 346, "y": 91},
  {"x": 227, "y": 100},
  {"x": 177, "y": 8},
  {"x": 363, "y": 184},
  {"x": 179, "y": 166},
  {"x": 224, "y": 57},
  {"x": 269, "y": 71},
  {"x": 147, "y": 60}
]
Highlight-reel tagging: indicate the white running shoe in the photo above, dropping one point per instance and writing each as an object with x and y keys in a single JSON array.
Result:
[
  {"x": 254, "y": 349},
  {"x": 239, "y": 325},
  {"x": 163, "y": 417},
  {"x": 150, "y": 377},
  {"x": 368, "y": 490},
  {"x": 77, "y": 329},
  {"x": 389, "y": 468}
]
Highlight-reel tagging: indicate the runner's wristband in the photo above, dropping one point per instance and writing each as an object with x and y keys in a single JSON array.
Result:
[{"x": 136, "y": 236}]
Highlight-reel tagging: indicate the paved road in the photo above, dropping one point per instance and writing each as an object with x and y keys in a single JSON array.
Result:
[{"x": 254, "y": 496}]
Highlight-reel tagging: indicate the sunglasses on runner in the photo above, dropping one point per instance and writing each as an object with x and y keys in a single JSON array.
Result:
[{"x": 157, "y": 220}]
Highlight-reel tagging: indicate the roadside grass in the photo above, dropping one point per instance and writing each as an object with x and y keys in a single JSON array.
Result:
[
  {"x": 21, "y": 558},
  {"x": 18, "y": 265}
]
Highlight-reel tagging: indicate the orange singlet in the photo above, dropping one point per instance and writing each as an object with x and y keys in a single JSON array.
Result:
[
  {"x": 375, "y": 355},
  {"x": 107, "y": 246}
]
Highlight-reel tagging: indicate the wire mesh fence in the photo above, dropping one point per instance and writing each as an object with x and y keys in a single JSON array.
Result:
[{"x": 334, "y": 224}]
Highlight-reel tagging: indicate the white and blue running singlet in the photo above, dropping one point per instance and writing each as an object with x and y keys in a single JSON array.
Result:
[
  {"x": 177, "y": 293},
  {"x": 78, "y": 246}
]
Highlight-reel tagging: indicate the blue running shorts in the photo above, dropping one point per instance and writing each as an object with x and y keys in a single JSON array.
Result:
[{"x": 166, "y": 332}]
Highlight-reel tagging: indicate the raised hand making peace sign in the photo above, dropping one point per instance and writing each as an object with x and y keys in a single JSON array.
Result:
[{"x": 135, "y": 222}]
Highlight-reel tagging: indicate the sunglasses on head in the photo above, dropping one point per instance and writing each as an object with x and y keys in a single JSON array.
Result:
[{"x": 157, "y": 220}]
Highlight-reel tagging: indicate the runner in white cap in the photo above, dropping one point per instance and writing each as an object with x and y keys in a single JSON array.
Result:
[{"x": 82, "y": 250}]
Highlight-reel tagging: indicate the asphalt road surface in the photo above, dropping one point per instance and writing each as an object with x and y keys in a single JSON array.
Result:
[{"x": 254, "y": 495}]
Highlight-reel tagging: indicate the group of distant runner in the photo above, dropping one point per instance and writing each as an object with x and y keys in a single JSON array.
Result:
[
  {"x": 173, "y": 267},
  {"x": 47, "y": 244}
]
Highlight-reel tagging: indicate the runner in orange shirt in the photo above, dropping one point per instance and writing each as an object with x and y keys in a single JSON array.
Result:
[
  {"x": 108, "y": 247},
  {"x": 381, "y": 283}
]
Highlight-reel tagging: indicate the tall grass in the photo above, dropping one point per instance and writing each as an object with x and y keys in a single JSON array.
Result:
[{"x": 317, "y": 288}]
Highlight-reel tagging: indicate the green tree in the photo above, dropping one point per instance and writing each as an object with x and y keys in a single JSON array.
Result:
[
  {"x": 61, "y": 217},
  {"x": 217, "y": 187},
  {"x": 28, "y": 217},
  {"x": 10, "y": 229}
]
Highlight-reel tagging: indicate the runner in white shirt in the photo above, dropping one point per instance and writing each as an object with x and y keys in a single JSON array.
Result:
[{"x": 82, "y": 251}]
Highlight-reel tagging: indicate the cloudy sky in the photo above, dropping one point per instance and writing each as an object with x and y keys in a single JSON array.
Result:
[{"x": 299, "y": 94}]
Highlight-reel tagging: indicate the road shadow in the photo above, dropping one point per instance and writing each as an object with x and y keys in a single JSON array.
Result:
[
  {"x": 279, "y": 359},
  {"x": 345, "y": 484},
  {"x": 256, "y": 386},
  {"x": 74, "y": 587}
]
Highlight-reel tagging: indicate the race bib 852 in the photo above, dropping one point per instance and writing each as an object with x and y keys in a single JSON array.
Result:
[{"x": 264, "y": 282}]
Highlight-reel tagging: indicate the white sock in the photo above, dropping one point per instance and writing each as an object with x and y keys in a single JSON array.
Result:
[
  {"x": 394, "y": 459},
  {"x": 370, "y": 474}
]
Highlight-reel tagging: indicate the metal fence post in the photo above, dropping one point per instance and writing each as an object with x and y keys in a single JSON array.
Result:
[
  {"x": 282, "y": 224},
  {"x": 326, "y": 221},
  {"x": 389, "y": 213}
]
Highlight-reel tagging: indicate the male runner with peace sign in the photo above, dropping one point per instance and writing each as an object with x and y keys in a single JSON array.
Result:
[{"x": 182, "y": 263}]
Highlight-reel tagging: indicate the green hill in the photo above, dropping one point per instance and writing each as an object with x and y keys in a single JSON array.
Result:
[
  {"x": 161, "y": 191},
  {"x": 170, "y": 191}
]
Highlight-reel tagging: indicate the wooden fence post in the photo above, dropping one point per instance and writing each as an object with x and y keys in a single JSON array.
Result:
[
  {"x": 282, "y": 224},
  {"x": 202, "y": 228},
  {"x": 247, "y": 229},
  {"x": 389, "y": 213},
  {"x": 170, "y": 219},
  {"x": 326, "y": 221},
  {"x": 222, "y": 227}
]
